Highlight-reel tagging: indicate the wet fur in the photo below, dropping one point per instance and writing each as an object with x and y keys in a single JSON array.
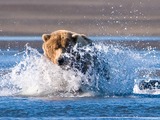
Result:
[{"x": 62, "y": 41}]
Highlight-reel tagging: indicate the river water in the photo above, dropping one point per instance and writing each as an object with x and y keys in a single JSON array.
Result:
[{"x": 32, "y": 87}]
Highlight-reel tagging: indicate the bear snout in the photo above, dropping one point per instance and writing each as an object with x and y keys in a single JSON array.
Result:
[
  {"x": 60, "y": 61},
  {"x": 63, "y": 60}
]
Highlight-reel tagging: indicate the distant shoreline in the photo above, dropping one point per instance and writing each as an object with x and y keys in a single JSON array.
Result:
[{"x": 90, "y": 17}]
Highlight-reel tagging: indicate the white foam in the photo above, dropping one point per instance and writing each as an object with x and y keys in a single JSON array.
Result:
[
  {"x": 136, "y": 90},
  {"x": 35, "y": 75}
]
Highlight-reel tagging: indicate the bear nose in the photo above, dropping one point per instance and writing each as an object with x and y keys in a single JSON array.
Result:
[{"x": 60, "y": 61}]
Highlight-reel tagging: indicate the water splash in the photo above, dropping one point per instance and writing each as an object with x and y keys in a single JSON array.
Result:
[{"x": 35, "y": 75}]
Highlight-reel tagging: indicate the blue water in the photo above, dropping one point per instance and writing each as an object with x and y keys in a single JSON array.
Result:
[
  {"x": 114, "y": 38},
  {"x": 26, "y": 93},
  {"x": 109, "y": 107}
]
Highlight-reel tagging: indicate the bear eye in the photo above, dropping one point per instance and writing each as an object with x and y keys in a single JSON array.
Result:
[
  {"x": 49, "y": 47},
  {"x": 56, "y": 48}
]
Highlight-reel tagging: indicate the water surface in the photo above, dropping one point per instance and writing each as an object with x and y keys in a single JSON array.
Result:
[{"x": 32, "y": 87}]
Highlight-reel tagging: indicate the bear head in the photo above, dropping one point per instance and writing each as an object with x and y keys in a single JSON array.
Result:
[{"x": 61, "y": 41}]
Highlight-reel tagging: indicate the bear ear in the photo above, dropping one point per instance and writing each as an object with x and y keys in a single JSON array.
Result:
[
  {"x": 75, "y": 37},
  {"x": 82, "y": 37},
  {"x": 46, "y": 37},
  {"x": 86, "y": 38}
]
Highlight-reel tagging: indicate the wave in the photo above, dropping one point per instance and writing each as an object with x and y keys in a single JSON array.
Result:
[{"x": 35, "y": 75}]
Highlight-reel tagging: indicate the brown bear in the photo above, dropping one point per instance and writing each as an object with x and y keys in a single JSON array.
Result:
[
  {"x": 75, "y": 51},
  {"x": 62, "y": 41}
]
